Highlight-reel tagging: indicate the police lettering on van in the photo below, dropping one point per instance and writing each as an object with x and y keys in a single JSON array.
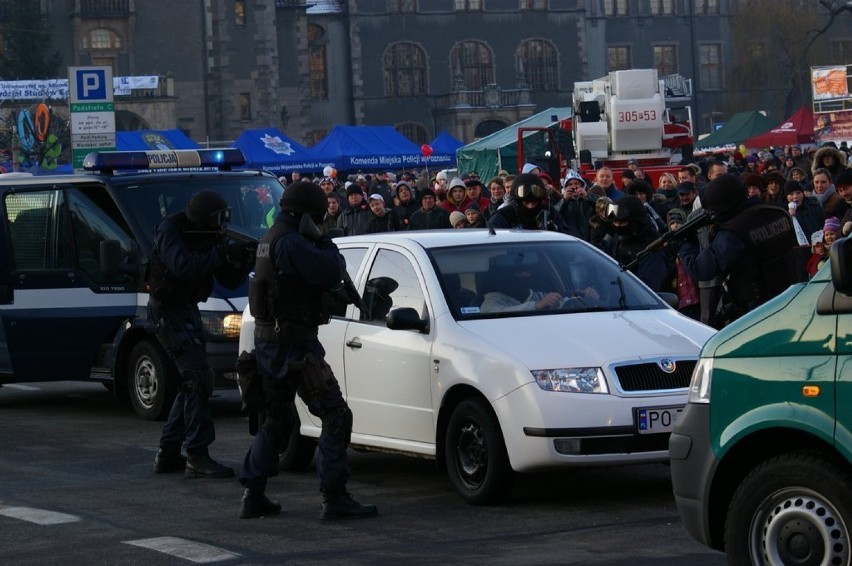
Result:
[{"x": 75, "y": 251}]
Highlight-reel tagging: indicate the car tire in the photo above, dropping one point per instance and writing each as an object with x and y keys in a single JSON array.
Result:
[
  {"x": 151, "y": 381},
  {"x": 475, "y": 454},
  {"x": 296, "y": 451},
  {"x": 794, "y": 508}
]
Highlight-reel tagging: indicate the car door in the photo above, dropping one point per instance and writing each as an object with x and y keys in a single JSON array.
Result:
[
  {"x": 388, "y": 372},
  {"x": 844, "y": 374},
  {"x": 64, "y": 310}
]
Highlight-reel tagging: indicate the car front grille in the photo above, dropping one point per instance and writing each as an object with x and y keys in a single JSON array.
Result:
[{"x": 651, "y": 377}]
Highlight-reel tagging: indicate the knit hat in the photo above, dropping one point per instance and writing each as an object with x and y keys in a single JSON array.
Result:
[
  {"x": 354, "y": 190},
  {"x": 843, "y": 179},
  {"x": 675, "y": 215},
  {"x": 455, "y": 217},
  {"x": 817, "y": 237},
  {"x": 686, "y": 187},
  {"x": 427, "y": 192},
  {"x": 441, "y": 176},
  {"x": 398, "y": 185},
  {"x": 472, "y": 206},
  {"x": 529, "y": 167},
  {"x": 831, "y": 223},
  {"x": 791, "y": 186}
]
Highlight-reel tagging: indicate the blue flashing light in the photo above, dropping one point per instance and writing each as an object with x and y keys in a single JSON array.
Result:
[{"x": 108, "y": 161}]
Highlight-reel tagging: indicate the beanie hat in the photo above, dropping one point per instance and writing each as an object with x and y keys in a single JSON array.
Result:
[
  {"x": 354, "y": 190},
  {"x": 755, "y": 180},
  {"x": 791, "y": 186},
  {"x": 571, "y": 174},
  {"x": 427, "y": 192},
  {"x": 676, "y": 215},
  {"x": 441, "y": 176},
  {"x": 831, "y": 223},
  {"x": 529, "y": 167},
  {"x": 628, "y": 174},
  {"x": 455, "y": 217},
  {"x": 472, "y": 206},
  {"x": 844, "y": 178},
  {"x": 817, "y": 237}
]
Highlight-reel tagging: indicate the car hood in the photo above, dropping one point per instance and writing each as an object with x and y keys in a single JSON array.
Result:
[{"x": 593, "y": 339}]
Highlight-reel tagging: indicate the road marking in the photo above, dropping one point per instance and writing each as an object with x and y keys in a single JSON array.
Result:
[
  {"x": 21, "y": 387},
  {"x": 188, "y": 550},
  {"x": 38, "y": 516}
]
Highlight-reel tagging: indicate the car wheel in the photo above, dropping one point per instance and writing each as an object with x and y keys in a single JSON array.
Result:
[
  {"x": 152, "y": 381},
  {"x": 476, "y": 457},
  {"x": 296, "y": 452},
  {"x": 792, "y": 509}
]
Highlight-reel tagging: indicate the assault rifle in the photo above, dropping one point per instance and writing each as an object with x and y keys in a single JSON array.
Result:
[
  {"x": 309, "y": 229},
  {"x": 705, "y": 218}
]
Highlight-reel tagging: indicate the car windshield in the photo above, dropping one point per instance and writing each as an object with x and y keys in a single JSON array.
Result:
[
  {"x": 522, "y": 279},
  {"x": 253, "y": 199}
]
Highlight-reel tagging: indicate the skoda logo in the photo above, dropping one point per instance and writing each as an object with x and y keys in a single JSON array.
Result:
[{"x": 667, "y": 365}]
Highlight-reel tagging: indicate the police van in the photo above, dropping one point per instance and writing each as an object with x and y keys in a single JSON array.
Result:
[{"x": 74, "y": 252}]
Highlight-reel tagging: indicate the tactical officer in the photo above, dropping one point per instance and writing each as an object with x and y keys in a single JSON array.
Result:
[
  {"x": 530, "y": 207},
  {"x": 753, "y": 248},
  {"x": 633, "y": 232},
  {"x": 296, "y": 272},
  {"x": 189, "y": 251}
]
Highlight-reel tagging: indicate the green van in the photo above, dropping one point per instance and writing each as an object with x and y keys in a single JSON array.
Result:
[{"x": 762, "y": 454}]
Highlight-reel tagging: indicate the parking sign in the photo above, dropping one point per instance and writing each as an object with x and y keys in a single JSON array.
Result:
[{"x": 92, "y": 111}]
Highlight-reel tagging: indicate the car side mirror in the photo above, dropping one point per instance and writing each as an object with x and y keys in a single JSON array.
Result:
[
  {"x": 406, "y": 318},
  {"x": 841, "y": 265}
]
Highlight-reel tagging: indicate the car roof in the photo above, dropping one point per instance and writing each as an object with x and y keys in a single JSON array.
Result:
[
  {"x": 455, "y": 237},
  {"x": 82, "y": 178}
]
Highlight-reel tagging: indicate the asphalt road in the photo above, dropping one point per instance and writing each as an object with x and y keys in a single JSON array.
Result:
[{"x": 77, "y": 487}]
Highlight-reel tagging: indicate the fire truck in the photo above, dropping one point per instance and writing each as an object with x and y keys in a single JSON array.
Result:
[{"x": 632, "y": 114}]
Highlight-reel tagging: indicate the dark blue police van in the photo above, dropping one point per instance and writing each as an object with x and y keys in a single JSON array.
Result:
[{"x": 74, "y": 251}]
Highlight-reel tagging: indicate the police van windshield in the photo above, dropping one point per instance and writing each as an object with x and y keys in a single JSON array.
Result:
[
  {"x": 253, "y": 199},
  {"x": 498, "y": 281}
]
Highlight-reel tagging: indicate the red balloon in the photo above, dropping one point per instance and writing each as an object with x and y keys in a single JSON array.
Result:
[{"x": 426, "y": 150}]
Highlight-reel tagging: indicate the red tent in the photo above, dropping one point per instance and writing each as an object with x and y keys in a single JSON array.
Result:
[{"x": 797, "y": 129}]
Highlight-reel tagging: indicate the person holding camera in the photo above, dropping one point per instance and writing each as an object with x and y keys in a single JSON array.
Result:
[{"x": 290, "y": 296}]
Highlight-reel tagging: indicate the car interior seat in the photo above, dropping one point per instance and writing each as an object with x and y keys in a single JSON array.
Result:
[{"x": 458, "y": 296}]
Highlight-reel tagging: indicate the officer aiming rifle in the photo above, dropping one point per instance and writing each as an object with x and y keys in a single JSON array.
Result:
[{"x": 706, "y": 218}]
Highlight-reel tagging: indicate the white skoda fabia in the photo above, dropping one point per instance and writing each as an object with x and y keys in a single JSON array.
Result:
[{"x": 501, "y": 353}]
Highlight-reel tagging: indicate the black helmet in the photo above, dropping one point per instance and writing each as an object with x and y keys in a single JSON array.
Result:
[
  {"x": 208, "y": 209},
  {"x": 304, "y": 197},
  {"x": 724, "y": 194},
  {"x": 529, "y": 187},
  {"x": 627, "y": 208}
]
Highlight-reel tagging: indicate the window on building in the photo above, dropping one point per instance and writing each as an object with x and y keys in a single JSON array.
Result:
[
  {"x": 840, "y": 50},
  {"x": 404, "y": 66},
  {"x": 468, "y": 5},
  {"x": 402, "y": 6},
  {"x": 101, "y": 39},
  {"x": 662, "y": 8},
  {"x": 616, "y": 8},
  {"x": 617, "y": 58},
  {"x": 710, "y": 66},
  {"x": 707, "y": 7},
  {"x": 2, "y": 44},
  {"x": 240, "y": 13},
  {"x": 533, "y": 5},
  {"x": 665, "y": 59},
  {"x": 473, "y": 61},
  {"x": 318, "y": 61},
  {"x": 414, "y": 131},
  {"x": 245, "y": 106},
  {"x": 538, "y": 57}
]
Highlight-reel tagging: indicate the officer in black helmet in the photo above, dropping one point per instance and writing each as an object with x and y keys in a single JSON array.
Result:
[
  {"x": 753, "y": 249},
  {"x": 297, "y": 271},
  {"x": 633, "y": 232},
  {"x": 529, "y": 208},
  {"x": 189, "y": 252}
]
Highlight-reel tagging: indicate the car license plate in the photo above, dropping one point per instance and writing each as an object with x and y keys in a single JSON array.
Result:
[{"x": 653, "y": 420}]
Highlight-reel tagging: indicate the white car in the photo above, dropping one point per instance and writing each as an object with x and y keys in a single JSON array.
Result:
[{"x": 451, "y": 359}]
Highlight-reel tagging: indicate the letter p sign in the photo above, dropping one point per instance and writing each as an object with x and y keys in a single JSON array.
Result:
[{"x": 91, "y": 84}]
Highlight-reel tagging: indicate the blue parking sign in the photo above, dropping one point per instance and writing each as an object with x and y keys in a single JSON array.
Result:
[{"x": 91, "y": 84}]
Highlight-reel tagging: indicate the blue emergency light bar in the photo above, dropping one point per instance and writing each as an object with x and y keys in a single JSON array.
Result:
[{"x": 108, "y": 161}]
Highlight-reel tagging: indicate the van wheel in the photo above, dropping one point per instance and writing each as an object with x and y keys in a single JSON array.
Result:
[
  {"x": 475, "y": 454},
  {"x": 296, "y": 452},
  {"x": 152, "y": 381},
  {"x": 793, "y": 509}
]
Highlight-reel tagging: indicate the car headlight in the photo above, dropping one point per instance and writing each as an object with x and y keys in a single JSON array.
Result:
[
  {"x": 699, "y": 387},
  {"x": 572, "y": 380},
  {"x": 222, "y": 325}
]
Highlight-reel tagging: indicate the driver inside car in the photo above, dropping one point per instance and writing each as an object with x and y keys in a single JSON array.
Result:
[{"x": 514, "y": 292}]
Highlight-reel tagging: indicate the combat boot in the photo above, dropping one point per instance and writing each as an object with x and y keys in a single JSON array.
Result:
[
  {"x": 169, "y": 461},
  {"x": 203, "y": 466},
  {"x": 341, "y": 505},
  {"x": 256, "y": 504}
]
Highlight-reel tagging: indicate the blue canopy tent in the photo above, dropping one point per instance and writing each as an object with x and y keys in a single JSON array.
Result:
[
  {"x": 271, "y": 150},
  {"x": 144, "y": 140},
  {"x": 443, "y": 150},
  {"x": 368, "y": 148}
]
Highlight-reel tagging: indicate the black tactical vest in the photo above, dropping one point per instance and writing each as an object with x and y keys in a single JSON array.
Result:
[
  {"x": 770, "y": 265},
  {"x": 165, "y": 286}
]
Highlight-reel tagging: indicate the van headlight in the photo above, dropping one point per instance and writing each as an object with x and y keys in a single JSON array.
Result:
[
  {"x": 699, "y": 387},
  {"x": 572, "y": 380},
  {"x": 221, "y": 325}
]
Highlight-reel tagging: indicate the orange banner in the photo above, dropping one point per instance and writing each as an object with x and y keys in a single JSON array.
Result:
[{"x": 829, "y": 83}]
